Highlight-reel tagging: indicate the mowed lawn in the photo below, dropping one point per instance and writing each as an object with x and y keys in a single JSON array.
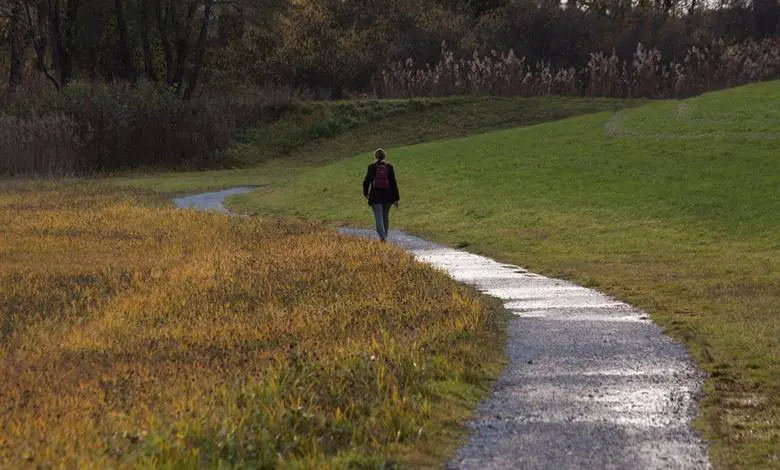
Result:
[
  {"x": 673, "y": 206},
  {"x": 141, "y": 337}
]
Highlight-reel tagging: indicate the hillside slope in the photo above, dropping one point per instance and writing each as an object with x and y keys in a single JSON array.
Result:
[
  {"x": 673, "y": 206},
  {"x": 318, "y": 133}
]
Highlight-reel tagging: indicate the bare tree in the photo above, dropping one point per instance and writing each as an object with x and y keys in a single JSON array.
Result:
[
  {"x": 125, "y": 56},
  {"x": 53, "y": 23},
  {"x": 149, "y": 71},
  {"x": 183, "y": 56},
  {"x": 175, "y": 28},
  {"x": 17, "y": 41},
  {"x": 200, "y": 48}
]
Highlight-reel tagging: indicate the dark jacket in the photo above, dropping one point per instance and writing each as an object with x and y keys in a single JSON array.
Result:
[{"x": 380, "y": 195}]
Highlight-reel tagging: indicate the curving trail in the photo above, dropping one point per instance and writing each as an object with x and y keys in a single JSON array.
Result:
[{"x": 592, "y": 383}]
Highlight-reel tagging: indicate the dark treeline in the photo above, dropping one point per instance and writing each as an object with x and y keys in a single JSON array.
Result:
[
  {"x": 94, "y": 86},
  {"x": 332, "y": 47}
]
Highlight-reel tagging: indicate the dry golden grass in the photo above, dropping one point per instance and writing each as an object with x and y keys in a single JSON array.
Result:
[{"x": 134, "y": 336}]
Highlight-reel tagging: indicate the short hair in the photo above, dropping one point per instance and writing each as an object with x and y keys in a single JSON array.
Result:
[{"x": 379, "y": 154}]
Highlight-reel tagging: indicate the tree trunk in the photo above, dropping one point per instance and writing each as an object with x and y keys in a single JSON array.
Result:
[
  {"x": 55, "y": 38},
  {"x": 181, "y": 62},
  {"x": 41, "y": 43},
  {"x": 128, "y": 68},
  {"x": 200, "y": 49},
  {"x": 18, "y": 45},
  {"x": 163, "y": 25},
  {"x": 149, "y": 72},
  {"x": 183, "y": 46},
  {"x": 67, "y": 43}
]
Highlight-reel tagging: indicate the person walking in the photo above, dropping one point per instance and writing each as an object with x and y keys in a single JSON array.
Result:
[{"x": 381, "y": 191}]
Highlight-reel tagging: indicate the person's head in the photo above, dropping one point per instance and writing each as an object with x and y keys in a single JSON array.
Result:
[{"x": 379, "y": 155}]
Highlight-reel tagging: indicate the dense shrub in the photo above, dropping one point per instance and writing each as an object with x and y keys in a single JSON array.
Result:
[
  {"x": 89, "y": 128},
  {"x": 46, "y": 144}
]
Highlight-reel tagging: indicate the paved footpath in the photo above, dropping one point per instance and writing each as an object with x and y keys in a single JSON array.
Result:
[{"x": 592, "y": 382}]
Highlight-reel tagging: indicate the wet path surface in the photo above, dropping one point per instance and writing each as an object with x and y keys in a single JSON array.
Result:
[
  {"x": 592, "y": 383},
  {"x": 210, "y": 201}
]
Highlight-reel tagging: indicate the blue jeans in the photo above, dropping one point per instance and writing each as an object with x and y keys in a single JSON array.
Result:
[{"x": 382, "y": 219}]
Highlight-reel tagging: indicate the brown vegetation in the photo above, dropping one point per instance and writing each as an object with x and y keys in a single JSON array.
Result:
[
  {"x": 333, "y": 48},
  {"x": 92, "y": 128},
  {"x": 138, "y": 337},
  {"x": 647, "y": 75}
]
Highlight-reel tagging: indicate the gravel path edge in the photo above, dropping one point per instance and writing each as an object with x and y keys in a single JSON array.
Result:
[{"x": 592, "y": 383}]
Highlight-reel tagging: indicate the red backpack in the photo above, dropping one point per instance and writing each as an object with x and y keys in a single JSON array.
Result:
[{"x": 382, "y": 176}]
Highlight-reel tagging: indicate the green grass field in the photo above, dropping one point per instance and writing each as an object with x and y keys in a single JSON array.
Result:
[{"x": 672, "y": 206}]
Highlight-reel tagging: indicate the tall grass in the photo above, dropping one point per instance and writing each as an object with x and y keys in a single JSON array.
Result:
[
  {"x": 647, "y": 74},
  {"x": 133, "y": 337},
  {"x": 93, "y": 128}
]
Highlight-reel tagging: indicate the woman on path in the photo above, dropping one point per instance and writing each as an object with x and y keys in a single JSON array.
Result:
[{"x": 381, "y": 190}]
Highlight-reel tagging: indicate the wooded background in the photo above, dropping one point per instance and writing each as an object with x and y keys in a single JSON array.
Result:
[
  {"x": 343, "y": 48},
  {"x": 94, "y": 86}
]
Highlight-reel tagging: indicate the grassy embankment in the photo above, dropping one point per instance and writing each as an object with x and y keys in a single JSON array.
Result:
[
  {"x": 138, "y": 337},
  {"x": 673, "y": 206},
  {"x": 319, "y": 133}
]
